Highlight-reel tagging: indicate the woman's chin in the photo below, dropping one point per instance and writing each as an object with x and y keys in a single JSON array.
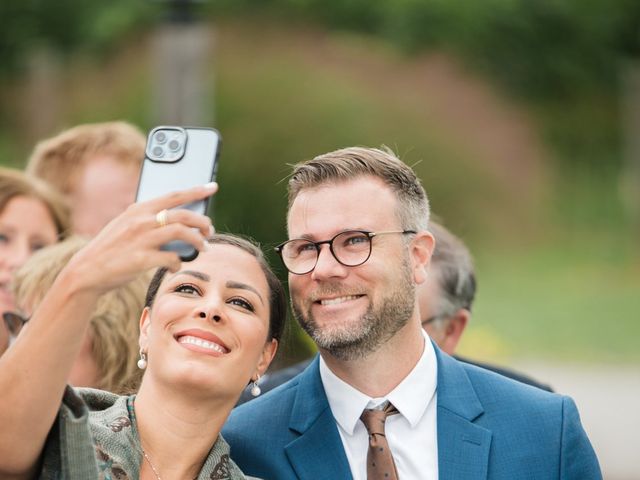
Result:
[{"x": 197, "y": 382}]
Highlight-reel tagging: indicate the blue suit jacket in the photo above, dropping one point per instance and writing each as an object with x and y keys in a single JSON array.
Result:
[{"x": 489, "y": 427}]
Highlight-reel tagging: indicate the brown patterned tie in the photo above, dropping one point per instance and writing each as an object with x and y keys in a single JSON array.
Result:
[{"x": 380, "y": 464}]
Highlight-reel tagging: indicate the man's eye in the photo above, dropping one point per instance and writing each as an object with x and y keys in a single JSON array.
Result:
[
  {"x": 355, "y": 240},
  {"x": 241, "y": 302},
  {"x": 305, "y": 247},
  {"x": 188, "y": 289}
]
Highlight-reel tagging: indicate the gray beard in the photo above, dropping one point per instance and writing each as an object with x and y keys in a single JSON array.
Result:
[{"x": 375, "y": 327}]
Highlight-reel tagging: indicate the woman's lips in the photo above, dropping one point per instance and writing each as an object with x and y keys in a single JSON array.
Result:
[{"x": 202, "y": 341}]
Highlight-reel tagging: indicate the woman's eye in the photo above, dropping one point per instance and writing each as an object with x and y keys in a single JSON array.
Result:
[
  {"x": 37, "y": 246},
  {"x": 187, "y": 289},
  {"x": 242, "y": 303},
  {"x": 4, "y": 238}
]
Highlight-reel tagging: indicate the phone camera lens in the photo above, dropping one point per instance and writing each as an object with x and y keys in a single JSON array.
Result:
[
  {"x": 160, "y": 137},
  {"x": 158, "y": 151},
  {"x": 174, "y": 145}
]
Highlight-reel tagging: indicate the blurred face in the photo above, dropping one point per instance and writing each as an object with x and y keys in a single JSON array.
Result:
[
  {"x": 351, "y": 311},
  {"x": 104, "y": 190},
  {"x": 207, "y": 330},
  {"x": 25, "y": 226}
]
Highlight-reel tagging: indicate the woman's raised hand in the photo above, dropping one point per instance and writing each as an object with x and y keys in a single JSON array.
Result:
[{"x": 130, "y": 243}]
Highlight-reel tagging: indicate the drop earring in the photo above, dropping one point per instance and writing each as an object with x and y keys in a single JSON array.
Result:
[
  {"x": 142, "y": 363},
  {"x": 255, "y": 388}
]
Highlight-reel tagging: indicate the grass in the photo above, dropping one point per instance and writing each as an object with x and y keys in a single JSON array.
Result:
[{"x": 557, "y": 303}]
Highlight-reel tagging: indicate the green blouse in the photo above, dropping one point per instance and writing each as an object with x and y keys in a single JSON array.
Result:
[{"x": 96, "y": 437}]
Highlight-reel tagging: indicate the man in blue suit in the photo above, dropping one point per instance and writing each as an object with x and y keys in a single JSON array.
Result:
[{"x": 358, "y": 224}]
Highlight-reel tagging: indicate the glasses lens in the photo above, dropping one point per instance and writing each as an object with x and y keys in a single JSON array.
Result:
[
  {"x": 352, "y": 248},
  {"x": 14, "y": 322},
  {"x": 299, "y": 256}
]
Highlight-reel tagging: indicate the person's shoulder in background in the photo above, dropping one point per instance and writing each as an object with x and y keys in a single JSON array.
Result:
[{"x": 506, "y": 372}]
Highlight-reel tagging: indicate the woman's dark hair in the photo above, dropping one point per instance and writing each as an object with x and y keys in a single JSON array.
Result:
[{"x": 277, "y": 299}]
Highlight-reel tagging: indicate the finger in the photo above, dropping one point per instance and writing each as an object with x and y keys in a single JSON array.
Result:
[
  {"x": 188, "y": 218},
  {"x": 177, "y": 231},
  {"x": 175, "y": 199},
  {"x": 160, "y": 258},
  {"x": 170, "y": 260}
]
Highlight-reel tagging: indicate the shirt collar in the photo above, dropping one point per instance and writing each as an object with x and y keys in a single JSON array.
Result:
[{"x": 411, "y": 397}]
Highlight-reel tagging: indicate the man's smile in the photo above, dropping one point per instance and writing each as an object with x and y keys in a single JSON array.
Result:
[{"x": 338, "y": 300}]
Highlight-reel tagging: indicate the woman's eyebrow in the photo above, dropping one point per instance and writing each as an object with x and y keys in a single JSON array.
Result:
[
  {"x": 199, "y": 275},
  {"x": 244, "y": 286}
]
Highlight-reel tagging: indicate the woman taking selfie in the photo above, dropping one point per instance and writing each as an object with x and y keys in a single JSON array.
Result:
[
  {"x": 32, "y": 216},
  {"x": 210, "y": 327}
]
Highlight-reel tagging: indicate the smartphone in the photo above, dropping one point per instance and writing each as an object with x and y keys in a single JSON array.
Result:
[{"x": 177, "y": 158}]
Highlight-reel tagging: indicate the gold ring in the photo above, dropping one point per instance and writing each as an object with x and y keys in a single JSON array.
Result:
[{"x": 162, "y": 217}]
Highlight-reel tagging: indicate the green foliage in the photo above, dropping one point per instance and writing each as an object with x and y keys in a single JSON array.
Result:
[
  {"x": 562, "y": 57},
  {"x": 65, "y": 26},
  {"x": 541, "y": 49}
]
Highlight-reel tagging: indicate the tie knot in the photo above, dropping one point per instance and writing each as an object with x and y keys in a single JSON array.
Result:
[
  {"x": 380, "y": 464},
  {"x": 374, "y": 419}
]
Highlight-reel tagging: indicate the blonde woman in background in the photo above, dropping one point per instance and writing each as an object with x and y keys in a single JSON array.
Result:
[
  {"x": 32, "y": 216},
  {"x": 109, "y": 352}
]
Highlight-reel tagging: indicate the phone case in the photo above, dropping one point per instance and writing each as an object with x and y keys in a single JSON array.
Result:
[{"x": 194, "y": 162}]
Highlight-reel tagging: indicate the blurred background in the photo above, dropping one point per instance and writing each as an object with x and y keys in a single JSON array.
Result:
[{"x": 522, "y": 118}]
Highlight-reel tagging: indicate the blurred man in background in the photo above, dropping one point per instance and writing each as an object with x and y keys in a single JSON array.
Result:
[
  {"x": 96, "y": 166},
  {"x": 445, "y": 302}
]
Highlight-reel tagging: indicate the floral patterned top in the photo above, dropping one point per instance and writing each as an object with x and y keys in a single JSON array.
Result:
[{"x": 96, "y": 437}]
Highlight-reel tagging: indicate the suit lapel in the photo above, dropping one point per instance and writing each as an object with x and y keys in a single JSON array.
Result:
[
  {"x": 463, "y": 447},
  {"x": 318, "y": 451}
]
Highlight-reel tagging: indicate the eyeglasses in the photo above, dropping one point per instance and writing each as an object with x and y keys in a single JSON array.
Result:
[
  {"x": 14, "y": 322},
  {"x": 350, "y": 248}
]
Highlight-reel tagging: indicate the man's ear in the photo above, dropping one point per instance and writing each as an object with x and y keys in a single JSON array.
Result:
[
  {"x": 145, "y": 322},
  {"x": 454, "y": 330},
  {"x": 422, "y": 247},
  {"x": 268, "y": 352}
]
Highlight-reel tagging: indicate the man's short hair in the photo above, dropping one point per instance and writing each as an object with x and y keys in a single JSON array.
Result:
[
  {"x": 354, "y": 162},
  {"x": 60, "y": 160},
  {"x": 114, "y": 321},
  {"x": 454, "y": 271}
]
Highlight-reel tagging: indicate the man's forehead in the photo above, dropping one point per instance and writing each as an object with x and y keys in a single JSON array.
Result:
[{"x": 361, "y": 203}]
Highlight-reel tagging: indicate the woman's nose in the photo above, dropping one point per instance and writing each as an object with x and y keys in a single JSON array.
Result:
[
  {"x": 215, "y": 317},
  {"x": 18, "y": 255}
]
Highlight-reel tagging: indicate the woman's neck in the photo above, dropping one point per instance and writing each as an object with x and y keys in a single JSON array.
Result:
[{"x": 176, "y": 430}]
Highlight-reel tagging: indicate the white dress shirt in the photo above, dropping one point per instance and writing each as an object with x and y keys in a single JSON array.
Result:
[{"x": 412, "y": 434}]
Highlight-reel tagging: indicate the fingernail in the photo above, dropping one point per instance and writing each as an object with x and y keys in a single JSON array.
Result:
[
  {"x": 212, "y": 230},
  {"x": 213, "y": 186}
]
